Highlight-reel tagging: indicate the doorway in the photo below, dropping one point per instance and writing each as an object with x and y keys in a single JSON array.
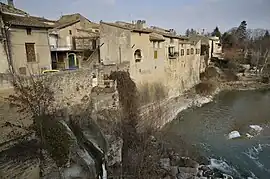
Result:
[{"x": 72, "y": 61}]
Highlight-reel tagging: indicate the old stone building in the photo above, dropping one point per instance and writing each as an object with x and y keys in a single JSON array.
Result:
[
  {"x": 153, "y": 55},
  {"x": 25, "y": 41},
  {"x": 73, "y": 41}
]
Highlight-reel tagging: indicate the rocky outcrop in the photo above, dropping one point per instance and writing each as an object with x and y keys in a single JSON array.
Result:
[
  {"x": 86, "y": 153},
  {"x": 186, "y": 168}
]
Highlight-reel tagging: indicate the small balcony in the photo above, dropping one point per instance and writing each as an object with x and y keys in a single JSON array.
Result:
[{"x": 173, "y": 55}]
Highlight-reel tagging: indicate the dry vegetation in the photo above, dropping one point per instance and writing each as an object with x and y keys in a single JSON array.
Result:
[{"x": 140, "y": 155}]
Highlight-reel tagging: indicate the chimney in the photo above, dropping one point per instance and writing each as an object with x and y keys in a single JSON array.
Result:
[
  {"x": 140, "y": 24},
  {"x": 11, "y": 3}
]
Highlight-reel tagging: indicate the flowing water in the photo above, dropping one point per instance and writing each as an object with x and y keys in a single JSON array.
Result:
[{"x": 208, "y": 127}]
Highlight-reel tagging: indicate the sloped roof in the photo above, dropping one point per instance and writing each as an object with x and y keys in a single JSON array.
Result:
[
  {"x": 70, "y": 19},
  {"x": 9, "y": 9},
  {"x": 25, "y": 21},
  {"x": 129, "y": 26},
  {"x": 156, "y": 37},
  {"x": 196, "y": 38}
]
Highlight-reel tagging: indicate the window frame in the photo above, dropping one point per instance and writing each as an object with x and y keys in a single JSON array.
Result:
[
  {"x": 28, "y": 31},
  {"x": 28, "y": 53},
  {"x": 182, "y": 52},
  {"x": 155, "y": 54},
  {"x": 138, "y": 55},
  {"x": 192, "y": 51},
  {"x": 188, "y": 51}
]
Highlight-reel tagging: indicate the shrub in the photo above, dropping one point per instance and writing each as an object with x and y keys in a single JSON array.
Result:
[{"x": 205, "y": 88}]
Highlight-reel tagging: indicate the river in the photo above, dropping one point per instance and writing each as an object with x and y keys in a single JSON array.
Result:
[{"x": 207, "y": 129}]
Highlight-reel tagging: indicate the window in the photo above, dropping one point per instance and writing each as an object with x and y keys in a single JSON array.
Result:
[
  {"x": 171, "y": 50},
  {"x": 138, "y": 55},
  {"x": 155, "y": 54},
  {"x": 187, "y": 51},
  {"x": 159, "y": 44},
  {"x": 182, "y": 52},
  {"x": 29, "y": 31},
  {"x": 197, "y": 51},
  {"x": 30, "y": 52},
  {"x": 70, "y": 32},
  {"x": 171, "y": 40},
  {"x": 192, "y": 51}
]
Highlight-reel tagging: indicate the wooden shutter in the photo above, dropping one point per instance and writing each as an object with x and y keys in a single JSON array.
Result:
[
  {"x": 155, "y": 54},
  {"x": 30, "y": 52}
]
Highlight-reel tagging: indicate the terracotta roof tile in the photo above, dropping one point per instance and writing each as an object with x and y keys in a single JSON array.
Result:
[
  {"x": 9, "y": 9},
  {"x": 26, "y": 21}
]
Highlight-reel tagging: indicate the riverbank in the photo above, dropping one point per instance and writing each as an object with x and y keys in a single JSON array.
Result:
[{"x": 191, "y": 99}]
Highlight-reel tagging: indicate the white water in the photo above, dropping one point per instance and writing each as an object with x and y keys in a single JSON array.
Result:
[
  {"x": 223, "y": 166},
  {"x": 246, "y": 112},
  {"x": 234, "y": 135}
]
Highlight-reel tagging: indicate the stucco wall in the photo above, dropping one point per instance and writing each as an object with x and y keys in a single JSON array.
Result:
[
  {"x": 148, "y": 70},
  {"x": 18, "y": 39},
  {"x": 3, "y": 59},
  {"x": 117, "y": 46}
]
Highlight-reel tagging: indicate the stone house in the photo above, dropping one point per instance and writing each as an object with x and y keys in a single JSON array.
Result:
[
  {"x": 25, "y": 41},
  {"x": 215, "y": 48},
  {"x": 73, "y": 41},
  {"x": 153, "y": 55}
]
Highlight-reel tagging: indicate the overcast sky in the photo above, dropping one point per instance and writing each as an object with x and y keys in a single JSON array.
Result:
[{"x": 176, "y": 14}]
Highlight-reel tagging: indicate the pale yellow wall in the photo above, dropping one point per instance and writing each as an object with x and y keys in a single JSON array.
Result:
[
  {"x": 3, "y": 59},
  {"x": 149, "y": 69},
  {"x": 117, "y": 46},
  {"x": 64, "y": 32},
  {"x": 63, "y": 40},
  {"x": 175, "y": 74},
  {"x": 183, "y": 72},
  {"x": 18, "y": 39}
]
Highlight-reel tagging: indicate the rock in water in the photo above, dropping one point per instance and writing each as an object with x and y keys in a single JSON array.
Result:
[
  {"x": 249, "y": 136},
  {"x": 256, "y": 128},
  {"x": 234, "y": 134}
]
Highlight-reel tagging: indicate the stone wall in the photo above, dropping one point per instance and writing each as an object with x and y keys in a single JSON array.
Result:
[
  {"x": 71, "y": 87},
  {"x": 5, "y": 80},
  {"x": 117, "y": 47}
]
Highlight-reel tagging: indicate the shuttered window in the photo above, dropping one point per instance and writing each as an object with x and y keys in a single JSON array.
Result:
[
  {"x": 30, "y": 52},
  {"x": 155, "y": 54}
]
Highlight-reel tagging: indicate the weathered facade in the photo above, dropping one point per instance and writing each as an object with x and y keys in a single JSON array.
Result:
[
  {"x": 26, "y": 44},
  {"x": 154, "y": 55},
  {"x": 215, "y": 47},
  {"x": 4, "y": 8},
  {"x": 73, "y": 40}
]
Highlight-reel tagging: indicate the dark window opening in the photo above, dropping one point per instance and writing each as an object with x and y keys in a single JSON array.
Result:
[
  {"x": 29, "y": 31},
  {"x": 155, "y": 54},
  {"x": 70, "y": 32},
  {"x": 138, "y": 55},
  {"x": 192, "y": 51},
  {"x": 182, "y": 52},
  {"x": 187, "y": 51}
]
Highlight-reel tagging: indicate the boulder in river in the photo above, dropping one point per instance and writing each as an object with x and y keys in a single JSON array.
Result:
[{"x": 234, "y": 135}]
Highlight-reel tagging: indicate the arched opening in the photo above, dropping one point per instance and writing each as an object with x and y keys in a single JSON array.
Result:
[
  {"x": 138, "y": 55},
  {"x": 72, "y": 61}
]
